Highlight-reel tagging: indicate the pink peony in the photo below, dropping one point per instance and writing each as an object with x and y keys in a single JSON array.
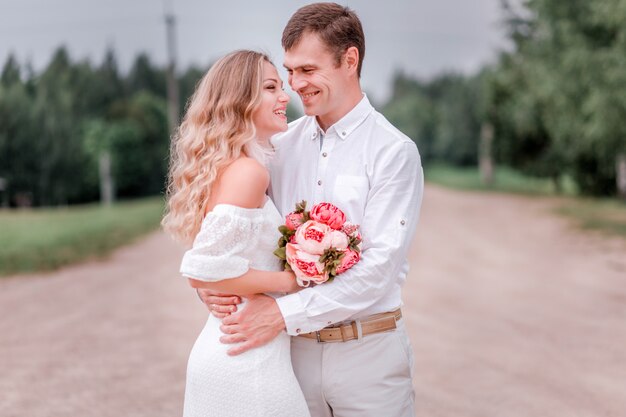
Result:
[
  {"x": 349, "y": 259},
  {"x": 328, "y": 214},
  {"x": 358, "y": 236},
  {"x": 314, "y": 237},
  {"x": 294, "y": 220},
  {"x": 350, "y": 228},
  {"x": 305, "y": 265},
  {"x": 339, "y": 240}
]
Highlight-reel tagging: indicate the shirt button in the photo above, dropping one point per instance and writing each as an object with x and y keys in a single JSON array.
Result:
[
  {"x": 343, "y": 133},
  {"x": 319, "y": 182},
  {"x": 324, "y": 154},
  {"x": 402, "y": 222},
  {"x": 315, "y": 134},
  {"x": 298, "y": 330}
]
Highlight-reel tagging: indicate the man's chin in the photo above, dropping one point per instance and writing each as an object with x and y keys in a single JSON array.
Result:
[{"x": 310, "y": 111}]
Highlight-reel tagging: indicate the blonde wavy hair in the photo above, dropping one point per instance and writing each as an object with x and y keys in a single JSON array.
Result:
[{"x": 216, "y": 130}]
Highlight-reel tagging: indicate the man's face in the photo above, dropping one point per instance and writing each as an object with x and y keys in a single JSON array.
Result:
[{"x": 314, "y": 75}]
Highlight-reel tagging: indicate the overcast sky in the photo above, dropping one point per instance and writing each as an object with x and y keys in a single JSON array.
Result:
[{"x": 420, "y": 37}]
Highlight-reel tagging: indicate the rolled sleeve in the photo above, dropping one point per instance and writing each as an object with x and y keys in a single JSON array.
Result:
[{"x": 388, "y": 227}]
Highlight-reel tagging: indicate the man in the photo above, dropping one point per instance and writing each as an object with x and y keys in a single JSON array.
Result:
[{"x": 345, "y": 153}]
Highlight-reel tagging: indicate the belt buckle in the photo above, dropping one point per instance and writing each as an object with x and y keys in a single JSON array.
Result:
[{"x": 319, "y": 337}]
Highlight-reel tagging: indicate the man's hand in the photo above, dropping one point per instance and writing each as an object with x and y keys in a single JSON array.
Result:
[
  {"x": 255, "y": 325},
  {"x": 220, "y": 305}
]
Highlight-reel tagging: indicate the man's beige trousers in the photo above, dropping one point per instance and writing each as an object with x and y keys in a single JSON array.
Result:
[{"x": 369, "y": 377}]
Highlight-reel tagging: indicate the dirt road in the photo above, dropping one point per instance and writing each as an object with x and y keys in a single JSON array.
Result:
[{"x": 511, "y": 310}]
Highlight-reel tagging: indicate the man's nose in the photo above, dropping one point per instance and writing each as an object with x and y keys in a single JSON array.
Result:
[{"x": 296, "y": 82}]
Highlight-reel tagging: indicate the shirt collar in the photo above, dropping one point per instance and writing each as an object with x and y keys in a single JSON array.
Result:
[{"x": 346, "y": 125}]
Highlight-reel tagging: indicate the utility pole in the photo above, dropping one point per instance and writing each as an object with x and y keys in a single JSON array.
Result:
[
  {"x": 620, "y": 168},
  {"x": 172, "y": 82},
  {"x": 3, "y": 190},
  {"x": 485, "y": 161},
  {"x": 107, "y": 183}
]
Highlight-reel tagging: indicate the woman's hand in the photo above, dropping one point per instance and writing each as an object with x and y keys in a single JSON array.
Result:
[
  {"x": 220, "y": 305},
  {"x": 291, "y": 285}
]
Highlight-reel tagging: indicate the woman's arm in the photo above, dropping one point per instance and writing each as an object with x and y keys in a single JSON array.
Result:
[
  {"x": 252, "y": 282},
  {"x": 243, "y": 184}
]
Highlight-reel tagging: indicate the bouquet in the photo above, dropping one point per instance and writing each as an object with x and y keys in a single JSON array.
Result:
[{"x": 318, "y": 245}]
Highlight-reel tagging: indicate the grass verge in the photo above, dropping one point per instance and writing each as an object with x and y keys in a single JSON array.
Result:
[
  {"x": 46, "y": 239},
  {"x": 505, "y": 180},
  {"x": 605, "y": 215}
]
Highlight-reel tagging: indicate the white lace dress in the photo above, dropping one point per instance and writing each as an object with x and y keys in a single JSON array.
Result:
[{"x": 259, "y": 382}]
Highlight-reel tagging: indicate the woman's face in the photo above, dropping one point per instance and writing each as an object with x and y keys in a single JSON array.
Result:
[{"x": 270, "y": 118}]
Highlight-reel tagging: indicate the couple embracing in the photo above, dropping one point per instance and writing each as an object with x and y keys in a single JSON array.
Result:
[{"x": 271, "y": 348}]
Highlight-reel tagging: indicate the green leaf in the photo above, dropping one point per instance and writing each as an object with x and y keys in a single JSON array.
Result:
[
  {"x": 355, "y": 249},
  {"x": 301, "y": 207},
  {"x": 331, "y": 255},
  {"x": 285, "y": 231},
  {"x": 281, "y": 253}
]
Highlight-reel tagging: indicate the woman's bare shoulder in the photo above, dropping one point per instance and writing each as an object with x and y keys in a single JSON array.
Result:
[{"x": 243, "y": 183}]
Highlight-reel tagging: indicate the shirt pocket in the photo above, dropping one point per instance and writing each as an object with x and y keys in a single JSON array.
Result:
[{"x": 350, "y": 195}]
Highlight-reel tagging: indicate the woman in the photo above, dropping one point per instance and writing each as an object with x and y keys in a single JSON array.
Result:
[{"x": 216, "y": 198}]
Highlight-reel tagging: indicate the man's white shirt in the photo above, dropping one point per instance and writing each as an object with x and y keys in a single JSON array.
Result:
[{"x": 373, "y": 173}]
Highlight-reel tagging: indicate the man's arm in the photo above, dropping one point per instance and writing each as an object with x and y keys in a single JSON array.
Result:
[{"x": 388, "y": 227}]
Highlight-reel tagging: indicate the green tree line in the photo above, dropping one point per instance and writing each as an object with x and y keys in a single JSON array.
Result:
[
  {"x": 56, "y": 125},
  {"x": 554, "y": 106},
  {"x": 66, "y": 128}
]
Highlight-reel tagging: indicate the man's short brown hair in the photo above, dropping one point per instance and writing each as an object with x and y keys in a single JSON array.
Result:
[{"x": 337, "y": 26}]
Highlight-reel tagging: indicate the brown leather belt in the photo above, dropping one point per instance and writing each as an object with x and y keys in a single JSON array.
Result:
[{"x": 375, "y": 323}]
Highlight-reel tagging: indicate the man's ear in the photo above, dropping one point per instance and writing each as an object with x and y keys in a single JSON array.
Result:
[{"x": 351, "y": 59}]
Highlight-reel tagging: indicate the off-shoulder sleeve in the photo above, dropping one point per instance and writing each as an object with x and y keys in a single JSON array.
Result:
[{"x": 219, "y": 249}]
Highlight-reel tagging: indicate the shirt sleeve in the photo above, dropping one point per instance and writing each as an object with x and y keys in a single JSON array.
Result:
[
  {"x": 220, "y": 249},
  {"x": 388, "y": 227}
]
